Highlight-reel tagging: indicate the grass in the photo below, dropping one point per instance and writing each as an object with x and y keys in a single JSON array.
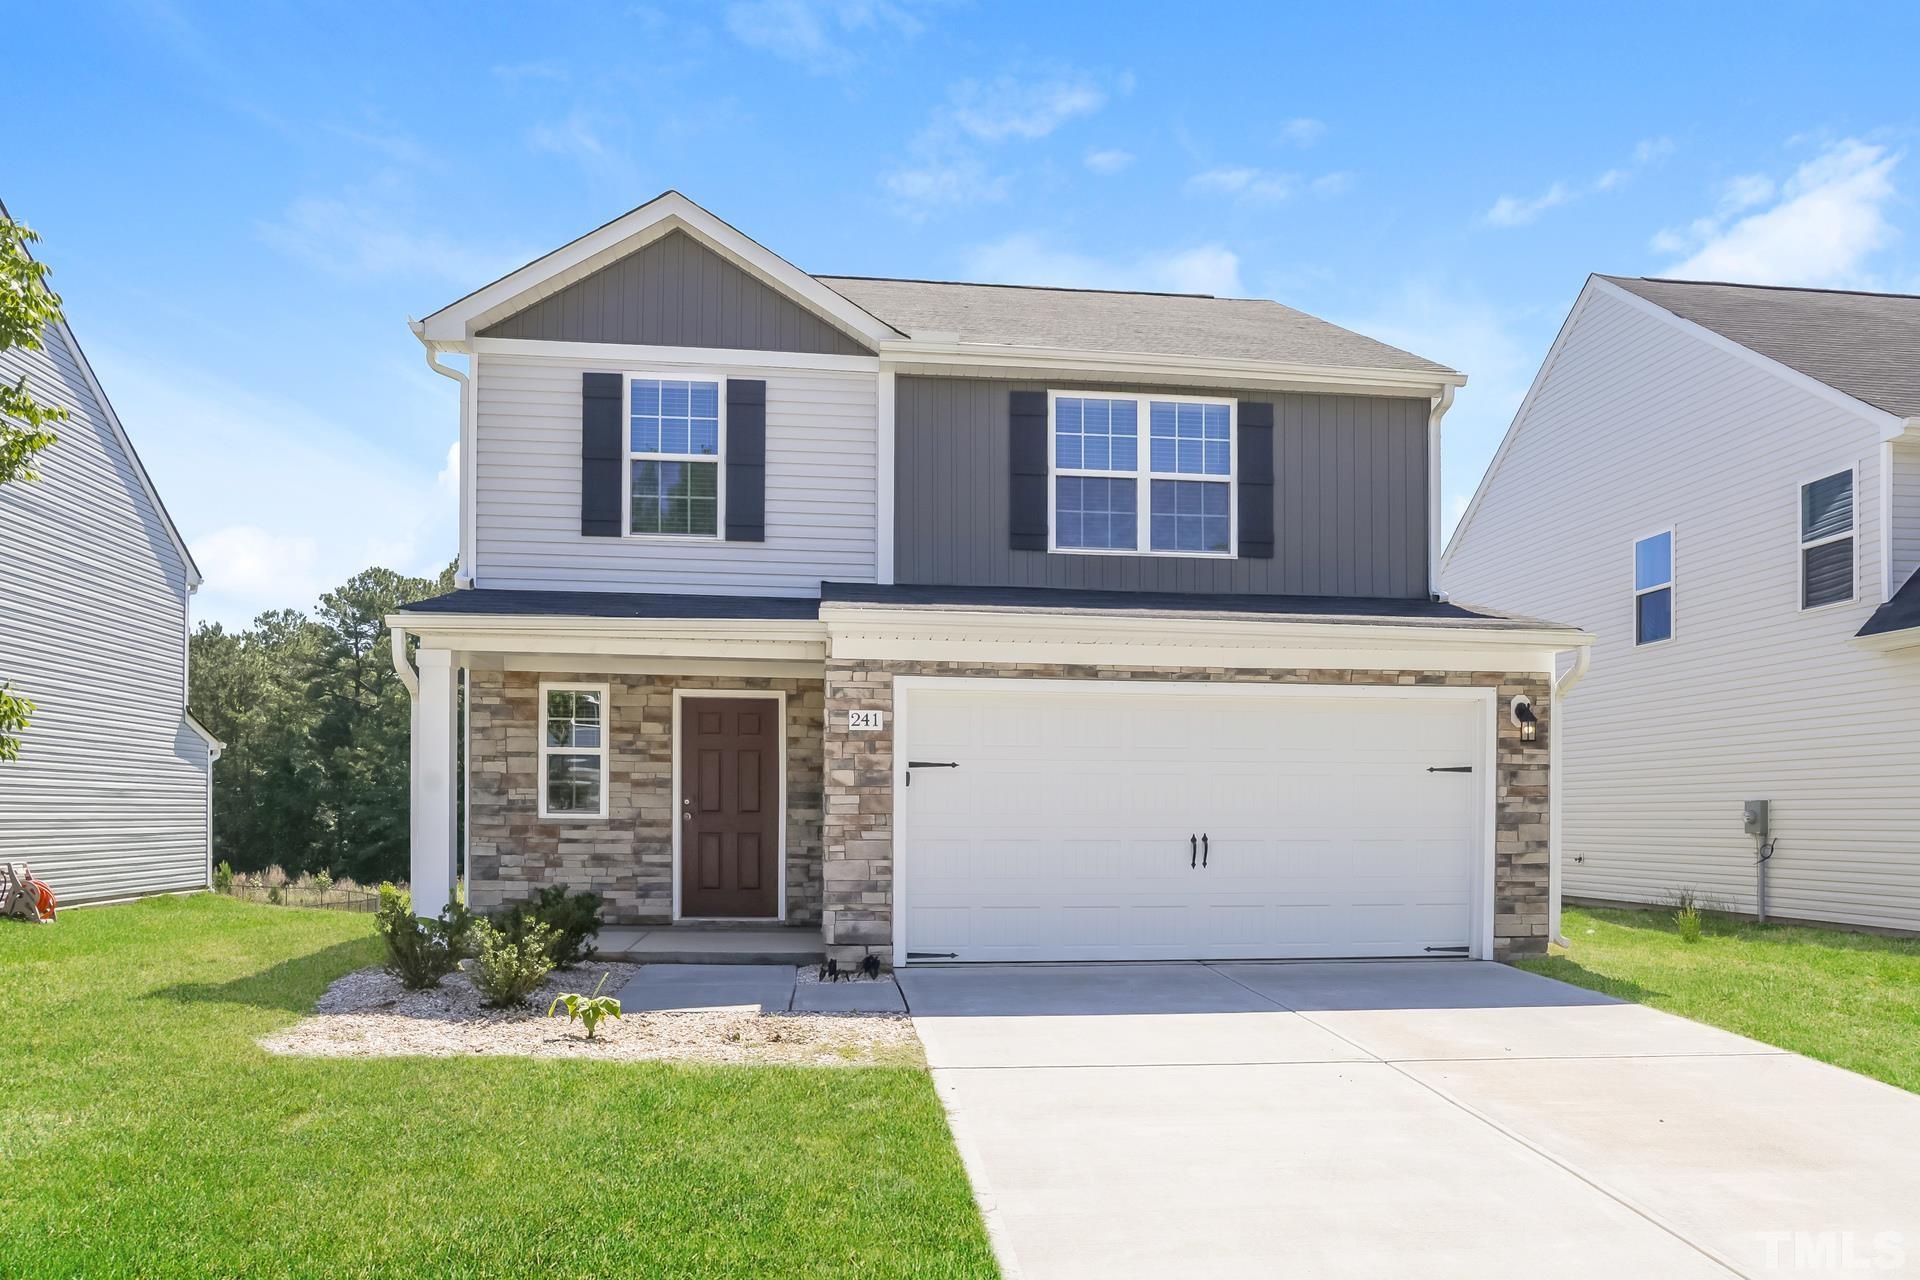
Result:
[
  {"x": 1852, "y": 999},
  {"x": 143, "y": 1133}
]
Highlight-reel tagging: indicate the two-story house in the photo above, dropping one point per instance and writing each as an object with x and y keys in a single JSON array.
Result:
[
  {"x": 1721, "y": 483},
  {"x": 965, "y": 621}
]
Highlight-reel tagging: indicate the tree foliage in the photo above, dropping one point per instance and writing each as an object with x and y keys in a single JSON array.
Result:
[
  {"x": 316, "y": 723},
  {"x": 27, "y": 308}
]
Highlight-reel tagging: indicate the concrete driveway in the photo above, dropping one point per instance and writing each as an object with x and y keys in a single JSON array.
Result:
[{"x": 1400, "y": 1118}]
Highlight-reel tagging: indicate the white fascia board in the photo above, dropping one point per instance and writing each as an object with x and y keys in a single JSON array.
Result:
[
  {"x": 667, "y": 212},
  {"x": 1162, "y": 641},
  {"x": 910, "y": 356},
  {"x": 213, "y": 743},
  {"x": 789, "y": 640},
  {"x": 1889, "y": 641},
  {"x": 637, "y": 356}
]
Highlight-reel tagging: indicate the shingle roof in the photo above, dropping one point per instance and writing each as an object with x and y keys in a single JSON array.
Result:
[
  {"x": 499, "y": 602},
  {"x": 1866, "y": 345},
  {"x": 1901, "y": 613},
  {"x": 1178, "y": 324}
]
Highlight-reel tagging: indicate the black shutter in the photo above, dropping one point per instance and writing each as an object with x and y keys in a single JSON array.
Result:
[
  {"x": 746, "y": 460},
  {"x": 602, "y": 453},
  {"x": 1255, "y": 468},
  {"x": 1027, "y": 471}
]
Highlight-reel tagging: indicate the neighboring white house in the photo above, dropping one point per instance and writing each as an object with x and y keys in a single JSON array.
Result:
[
  {"x": 111, "y": 796},
  {"x": 1722, "y": 484}
]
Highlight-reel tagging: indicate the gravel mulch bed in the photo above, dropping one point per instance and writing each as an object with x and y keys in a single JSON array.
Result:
[{"x": 368, "y": 1014}]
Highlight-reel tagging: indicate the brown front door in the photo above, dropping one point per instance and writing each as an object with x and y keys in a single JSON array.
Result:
[{"x": 730, "y": 807}]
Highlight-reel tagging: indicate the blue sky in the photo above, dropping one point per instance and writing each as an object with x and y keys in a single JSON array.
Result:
[{"x": 244, "y": 204}]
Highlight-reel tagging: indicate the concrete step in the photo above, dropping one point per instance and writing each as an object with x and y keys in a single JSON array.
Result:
[{"x": 712, "y": 944}]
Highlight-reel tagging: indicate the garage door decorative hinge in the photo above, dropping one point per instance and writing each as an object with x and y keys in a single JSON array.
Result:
[
  {"x": 1460, "y": 950},
  {"x": 929, "y": 764},
  {"x": 933, "y": 955},
  {"x": 1450, "y": 768}
]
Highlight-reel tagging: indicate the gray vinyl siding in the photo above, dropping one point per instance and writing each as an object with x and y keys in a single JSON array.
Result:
[
  {"x": 675, "y": 292},
  {"x": 109, "y": 796},
  {"x": 1905, "y": 493},
  {"x": 1350, "y": 486},
  {"x": 822, "y": 489}
]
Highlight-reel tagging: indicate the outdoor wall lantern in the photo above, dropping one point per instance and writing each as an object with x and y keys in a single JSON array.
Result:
[{"x": 1520, "y": 711}]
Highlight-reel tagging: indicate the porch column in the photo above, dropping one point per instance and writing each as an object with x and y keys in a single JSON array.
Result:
[{"x": 431, "y": 824}]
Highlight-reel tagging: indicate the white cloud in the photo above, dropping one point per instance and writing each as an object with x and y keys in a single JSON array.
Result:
[
  {"x": 448, "y": 481},
  {"x": 1332, "y": 184},
  {"x": 1302, "y": 131},
  {"x": 581, "y": 137},
  {"x": 1829, "y": 219},
  {"x": 1027, "y": 258},
  {"x": 815, "y": 33},
  {"x": 1013, "y": 107},
  {"x": 947, "y": 159},
  {"x": 1255, "y": 186},
  {"x": 358, "y": 235},
  {"x": 1516, "y": 211},
  {"x": 277, "y": 498},
  {"x": 1109, "y": 160},
  {"x": 1510, "y": 211}
]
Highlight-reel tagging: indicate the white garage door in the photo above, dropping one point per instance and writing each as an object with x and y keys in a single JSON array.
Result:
[{"x": 1107, "y": 823}]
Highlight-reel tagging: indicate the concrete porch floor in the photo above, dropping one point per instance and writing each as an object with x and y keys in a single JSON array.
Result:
[{"x": 687, "y": 943}]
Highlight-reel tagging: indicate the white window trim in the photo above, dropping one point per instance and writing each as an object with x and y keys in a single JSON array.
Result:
[
  {"x": 1673, "y": 596},
  {"x": 719, "y": 459},
  {"x": 604, "y": 751},
  {"x": 1804, "y": 544},
  {"x": 1144, "y": 475}
]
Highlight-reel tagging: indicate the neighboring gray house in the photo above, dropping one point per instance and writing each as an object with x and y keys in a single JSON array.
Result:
[
  {"x": 1722, "y": 483},
  {"x": 111, "y": 796},
  {"x": 965, "y": 621}
]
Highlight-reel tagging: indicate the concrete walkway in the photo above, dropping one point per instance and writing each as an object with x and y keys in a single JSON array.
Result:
[
  {"x": 762, "y": 988},
  {"x": 1416, "y": 1118}
]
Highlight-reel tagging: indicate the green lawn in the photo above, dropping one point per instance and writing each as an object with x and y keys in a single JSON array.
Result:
[
  {"x": 143, "y": 1133},
  {"x": 1852, "y": 999}
]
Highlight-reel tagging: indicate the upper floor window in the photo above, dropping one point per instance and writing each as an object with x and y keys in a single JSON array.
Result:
[
  {"x": 1653, "y": 588},
  {"x": 673, "y": 457},
  {"x": 1826, "y": 540},
  {"x": 1175, "y": 497}
]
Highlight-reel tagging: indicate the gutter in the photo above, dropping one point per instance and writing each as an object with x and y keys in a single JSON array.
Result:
[
  {"x": 401, "y": 667},
  {"x": 1441, "y": 403},
  {"x": 463, "y": 575}
]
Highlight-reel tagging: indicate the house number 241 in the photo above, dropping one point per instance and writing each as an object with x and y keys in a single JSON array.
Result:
[{"x": 866, "y": 721}]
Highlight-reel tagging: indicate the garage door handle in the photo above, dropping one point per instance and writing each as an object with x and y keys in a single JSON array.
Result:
[
  {"x": 1203, "y": 848},
  {"x": 1194, "y": 841}
]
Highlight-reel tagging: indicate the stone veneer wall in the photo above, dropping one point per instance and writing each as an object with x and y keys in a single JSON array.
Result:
[
  {"x": 858, "y": 832},
  {"x": 626, "y": 857}
]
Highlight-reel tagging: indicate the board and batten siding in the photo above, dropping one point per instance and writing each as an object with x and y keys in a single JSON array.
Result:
[
  {"x": 1350, "y": 491},
  {"x": 1639, "y": 426},
  {"x": 109, "y": 796},
  {"x": 675, "y": 292},
  {"x": 822, "y": 499},
  {"x": 1906, "y": 510}
]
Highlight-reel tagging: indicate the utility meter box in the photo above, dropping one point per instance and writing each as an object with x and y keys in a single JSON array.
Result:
[{"x": 1754, "y": 815}]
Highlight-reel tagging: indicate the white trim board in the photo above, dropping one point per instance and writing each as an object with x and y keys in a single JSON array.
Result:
[
  {"x": 681, "y": 694},
  {"x": 636, "y": 355},
  {"x": 1485, "y": 763}
]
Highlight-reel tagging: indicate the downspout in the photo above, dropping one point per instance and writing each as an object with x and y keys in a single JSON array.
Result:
[
  {"x": 463, "y": 575},
  {"x": 1561, "y": 687},
  {"x": 1441, "y": 403}
]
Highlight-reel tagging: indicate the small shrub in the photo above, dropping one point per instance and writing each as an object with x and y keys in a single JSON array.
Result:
[
  {"x": 507, "y": 970},
  {"x": 277, "y": 896},
  {"x": 420, "y": 952},
  {"x": 1687, "y": 920},
  {"x": 587, "y": 1010},
  {"x": 323, "y": 880},
  {"x": 223, "y": 877},
  {"x": 572, "y": 919}
]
